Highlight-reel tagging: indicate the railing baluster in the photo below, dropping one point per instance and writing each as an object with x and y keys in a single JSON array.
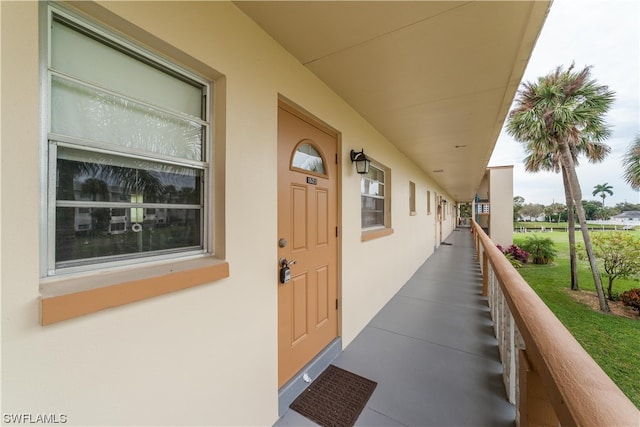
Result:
[
  {"x": 495, "y": 299},
  {"x": 485, "y": 274},
  {"x": 547, "y": 374},
  {"x": 534, "y": 406},
  {"x": 510, "y": 368}
]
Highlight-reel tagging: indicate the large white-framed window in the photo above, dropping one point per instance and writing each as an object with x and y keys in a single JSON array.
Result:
[
  {"x": 375, "y": 201},
  {"x": 128, "y": 152}
]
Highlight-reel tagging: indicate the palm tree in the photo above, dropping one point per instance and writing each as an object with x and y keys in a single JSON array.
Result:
[
  {"x": 562, "y": 111},
  {"x": 539, "y": 158},
  {"x": 631, "y": 164},
  {"x": 603, "y": 190},
  {"x": 559, "y": 208},
  {"x": 548, "y": 211}
]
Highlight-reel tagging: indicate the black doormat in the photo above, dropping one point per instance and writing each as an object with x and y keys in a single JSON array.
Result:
[{"x": 335, "y": 399}]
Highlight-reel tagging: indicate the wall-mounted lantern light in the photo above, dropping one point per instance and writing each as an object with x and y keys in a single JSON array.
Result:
[{"x": 361, "y": 161}]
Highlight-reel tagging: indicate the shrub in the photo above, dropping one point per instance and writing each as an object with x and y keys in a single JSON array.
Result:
[
  {"x": 541, "y": 249},
  {"x": 517, "y": 253},
  {"x": 514, "y": 262},
  {"x": 631, "y": 298}
]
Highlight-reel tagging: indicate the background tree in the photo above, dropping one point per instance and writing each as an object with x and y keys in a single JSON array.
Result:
[
  {"x": 601, "y": 214},
  {"x": 518, "y": 201},
  {"x": 591, "y": 208},
  {"x": 532, "y": 210},
  {"x": 558, "y": 209},
  {"x": 603, "y": 190},
  {"x": 623, "y": 207},
  {"x": 465, "y": 210},
  {"x": 631, "y": 164},
  {"x": 620, "y": 255},
  {"x": 560, "y": 111}
]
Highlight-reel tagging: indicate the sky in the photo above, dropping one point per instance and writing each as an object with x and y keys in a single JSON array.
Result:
[{"x": 604, "y": 34}]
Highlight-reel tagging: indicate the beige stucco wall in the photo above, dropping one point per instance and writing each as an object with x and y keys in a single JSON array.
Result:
[
  {"x": 201, "y": 356},
  {"x": 501, "y": 194},
  {"x": 497, "y": 187}
]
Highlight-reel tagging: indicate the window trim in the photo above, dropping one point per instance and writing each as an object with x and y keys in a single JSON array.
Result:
[
  {"x": 412, "y": 199},
  {"x": 377, "y": 231},
  {"x": 69, "y": 298},
  {"x": 72, "y": 295},
  {"x": 51, "y": 140}
]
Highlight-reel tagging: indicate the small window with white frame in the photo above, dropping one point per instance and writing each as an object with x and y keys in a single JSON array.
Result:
[
  {"x": 375, "y": 199},
  {"x": 128, "y": 152}
]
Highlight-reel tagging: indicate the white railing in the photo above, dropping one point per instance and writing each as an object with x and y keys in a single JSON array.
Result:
[{"x": 550, "y": 378}]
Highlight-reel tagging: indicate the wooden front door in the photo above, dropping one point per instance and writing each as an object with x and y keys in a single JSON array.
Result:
[{"x": 307, "y": 240}]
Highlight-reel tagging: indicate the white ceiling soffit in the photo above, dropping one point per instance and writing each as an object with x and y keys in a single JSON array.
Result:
[{"x": 436, "y": 78}]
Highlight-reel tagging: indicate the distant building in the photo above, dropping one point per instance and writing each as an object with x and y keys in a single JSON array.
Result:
[{"x": 627, "y": 217}]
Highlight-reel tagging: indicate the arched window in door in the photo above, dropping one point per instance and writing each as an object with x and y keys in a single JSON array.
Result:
[{"x": 307, "y": 158}]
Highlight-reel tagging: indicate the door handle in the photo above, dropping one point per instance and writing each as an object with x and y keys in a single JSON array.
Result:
[
  {"x": 284, "y": 263},
  {"x": 285, "y": 271}
]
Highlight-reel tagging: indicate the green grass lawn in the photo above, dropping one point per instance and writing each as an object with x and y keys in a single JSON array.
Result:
[{"x": 612, "y": 341}]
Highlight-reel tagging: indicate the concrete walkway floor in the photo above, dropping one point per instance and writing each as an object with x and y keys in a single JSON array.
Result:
[{"x": 431, "y": 349}]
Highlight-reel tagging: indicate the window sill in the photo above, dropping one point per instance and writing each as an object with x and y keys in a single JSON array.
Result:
[
  {"x": 413, "y": 213},
  {"x": 376, "y": 233},
  {"x": 63, "y": 299}
]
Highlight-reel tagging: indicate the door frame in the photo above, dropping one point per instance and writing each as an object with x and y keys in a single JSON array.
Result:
[{"x": 306, "y": 116}]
